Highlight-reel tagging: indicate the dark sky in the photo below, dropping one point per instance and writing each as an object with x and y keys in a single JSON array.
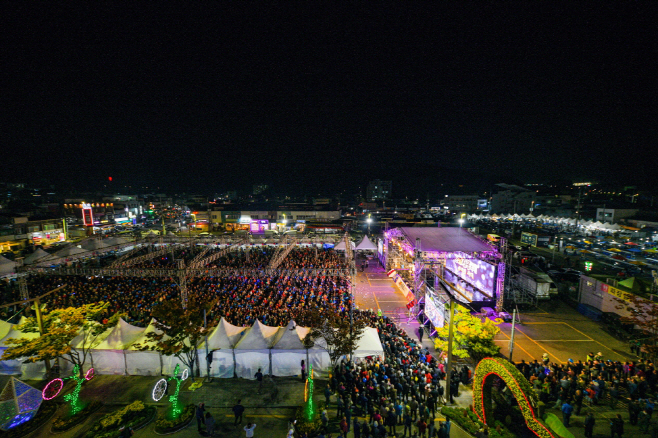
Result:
[{"x": 317, "y": 98}]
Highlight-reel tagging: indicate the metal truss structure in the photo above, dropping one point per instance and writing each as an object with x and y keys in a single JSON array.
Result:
[
  {"x": 285, "y": 246},
  {"x": 146, "y": 257},
  {"x": 192, "y": 272}
]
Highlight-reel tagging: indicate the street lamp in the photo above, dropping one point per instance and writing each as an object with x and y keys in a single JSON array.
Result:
[{"x": 369, "y": 221}]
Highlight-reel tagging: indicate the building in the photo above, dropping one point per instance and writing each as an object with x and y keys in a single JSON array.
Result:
[
  {"x": 613, "y": 215},
  {"x": 378, "y": 189},
  {"x": 466, "y": 203},
  {"x": 24, "y": 231},
  {"x": 512, "y": 199}
]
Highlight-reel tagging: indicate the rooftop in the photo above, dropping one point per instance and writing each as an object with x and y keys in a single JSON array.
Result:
[{"x": 447, "y": 239}]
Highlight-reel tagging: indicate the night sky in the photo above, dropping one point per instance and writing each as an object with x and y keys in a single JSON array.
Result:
[{"x": 308, "y": 97}]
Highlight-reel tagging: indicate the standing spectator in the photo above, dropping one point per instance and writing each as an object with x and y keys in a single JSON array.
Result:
[
  {"x": 126, "y": 432},
  {"x": 448, "y": 424},
  {"x": 420, "y": 334},
  {"x": 327, "y": 394},
  {"x": 616, "y": 426},
  {"x": 303, "y": 371},
  {"x": 199, "y": 416},
  {"x": 238, "y": 410},
  {"x": 643, "y": 421},
  {"x": 443, "y": 433},
  {"x": 210, "y": 424},
  {"x": 259, "y": 378},
  {"x": 567, "y": 409},
  {"x": 391, "y": 421},
  {"x": 589, "y": 425},
  {"x": 407, "y": 424},
  {"x": 343, "y": 426},
  {"x": 422, "y": 427},
  {"x": 249, "y": 429}
]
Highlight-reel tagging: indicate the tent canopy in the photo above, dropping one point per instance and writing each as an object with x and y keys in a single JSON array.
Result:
[
  {"x": 120, "y": 337},
  {"x": 340, "y": 246},
  {"x": 289, "y": 338},
  {"x": 69, "y": 251},
  {"x": 36, "y": 255},
  {"x": 259, "y": 337},
  {"x": 225, "y": 336},
  {"x": 366, "y": 245}
]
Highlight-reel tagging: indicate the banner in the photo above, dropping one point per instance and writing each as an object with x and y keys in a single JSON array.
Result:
[{"x": 475, "y": 272}]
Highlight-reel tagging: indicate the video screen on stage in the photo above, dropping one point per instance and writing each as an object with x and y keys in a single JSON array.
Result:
[
  {"x": 477, "y": 273},
  {"x": 434, "y": 311}
]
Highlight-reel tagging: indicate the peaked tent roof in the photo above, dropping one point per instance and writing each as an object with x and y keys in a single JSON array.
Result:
[
  {"x": 120, "y": 337},
  {"x": 366, "y": 245},
  {"x": 290, "y": 338},
  {"x": 69, "y": 251},
  {"x": 369, "y": 342},
  {"x": 36, "y": 255},
  {"x": 303, "y": 331},
  {"x": 259, "y": 337},
  {"x": 142, "y": 339},
  {"x": 6, "y": 266},
  {"x": 225, "y": 335},
  {"x": 632, "y": 284},
  {"x": 15, "y": 333},
  {"x": 341, "y": 245},
  {"x": 5, "y": 327},
  {"x": 94, "y": 244}
]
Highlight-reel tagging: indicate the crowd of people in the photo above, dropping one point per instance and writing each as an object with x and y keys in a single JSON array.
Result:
[
  {"x": 241, "y": 299},
  {"x": 378, "y": 398},
  {"x": 578, "y": 386}
]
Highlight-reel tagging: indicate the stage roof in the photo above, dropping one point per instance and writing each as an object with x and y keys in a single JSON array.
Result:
[{"x": 445, "y": 239}]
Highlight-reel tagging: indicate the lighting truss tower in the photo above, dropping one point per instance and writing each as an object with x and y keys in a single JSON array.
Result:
[{"x": 182, "y": 282}]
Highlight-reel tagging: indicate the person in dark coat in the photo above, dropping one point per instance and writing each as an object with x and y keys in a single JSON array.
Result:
[
  {"x": 617, "y": 426},
  {"x": 589, "y": 425},
  {"x": 200, "y": 422}
]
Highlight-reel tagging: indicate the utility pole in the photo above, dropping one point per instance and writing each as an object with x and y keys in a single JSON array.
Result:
[
  {"x": 450, "y": 339},
  {"x": 511, "y": 339}
]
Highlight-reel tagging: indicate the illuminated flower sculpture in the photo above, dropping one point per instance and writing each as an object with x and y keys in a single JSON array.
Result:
[
  {"x": 19, "y": 402},
  {"x": 517, "y": 384}
]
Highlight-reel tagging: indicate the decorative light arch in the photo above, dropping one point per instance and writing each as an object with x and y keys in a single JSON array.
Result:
[{"x": 519, "y": 386}]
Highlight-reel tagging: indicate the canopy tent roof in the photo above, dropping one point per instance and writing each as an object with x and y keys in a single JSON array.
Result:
[
  {"x": 341, "y": 245},
  {"x": 632, "y": 284},
  {"x": 94, "y": 244},
  {"x": 120, "y": 337},
  {"x": 290, "y": 339},
  {"x": 142, "y": 339},
  {"x": 225, "y": 335},
  {"x": 36, "y": 255},
  {"x": 446, "y": 239},
  {"x": 369, "y": 343},
  {"x": 366, "y": 245},
  {"x": 15, "y": 333},
  {"x": 114, "y": 241},
  {"x": 259, "y": 337},
  {"x": 6, "y": 266},
  {"x": 69, "y": 251},
  {"x": 5, "y": 327}
]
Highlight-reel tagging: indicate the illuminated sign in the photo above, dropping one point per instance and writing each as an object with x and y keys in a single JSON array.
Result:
[
  {"x": 475, "y": 272},
  {"x": 87, "y": 215}
]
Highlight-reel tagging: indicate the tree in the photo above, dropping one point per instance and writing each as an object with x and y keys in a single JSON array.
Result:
[
  {"x": 644, "y": 315},
  {"x": 179, "y": 331},
  {"x": 341, "y": 338},
  {"x": 61, "y": 327},
  {"x": 472, "y": 337}
]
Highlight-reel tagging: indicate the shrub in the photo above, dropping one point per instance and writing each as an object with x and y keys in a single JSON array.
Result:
[
  {"x": 165, "y": 423},
  {"x": 468, "y": 421},
  {"x": 303, "y": 425},
  {"x": 131, "y": 415},
  {"x": 67, "y": 421}
]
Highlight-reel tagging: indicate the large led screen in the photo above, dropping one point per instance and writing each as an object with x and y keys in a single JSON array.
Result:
[
  {"x": 477, "y": 273},
  {"x": 434, "y": 311}
]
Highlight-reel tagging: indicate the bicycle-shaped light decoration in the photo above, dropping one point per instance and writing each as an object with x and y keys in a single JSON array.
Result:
[
  {"x": 160, "y": 389},
  {"x": 54, "y": 387}
]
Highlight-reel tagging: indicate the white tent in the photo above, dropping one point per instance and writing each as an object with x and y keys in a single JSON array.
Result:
[
  {"x": 94, "y": 244},
  {"x": 221, "y": 343},
  {"x": 369, "y": 344},
  {"x": 27, "y": 370},
  {"x": 366, "y": 245},
  {"x": 7, "y": 266},
  {"x": 143, "y": 363},
  {"x": 69, "y": 251},
  {"x": 35, "y": 256},
  {"x": 254, "y": 350},
  {"x": 318, "y": 358},
  {"x": 289, "y": 353},
  {"x": 340, "y": 246},
  {"x": 109, "y": 355}
]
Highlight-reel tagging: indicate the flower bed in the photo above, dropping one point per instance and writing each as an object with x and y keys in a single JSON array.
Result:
[
  {"x": 303, "y": 425},
  {"x": 45, "y": 413},
  {"x": 467, "y": 420},
  {"x": 135, "y": 415},
  {"x": 165, "y": 424},
  {"x": 67, "y": 421}
]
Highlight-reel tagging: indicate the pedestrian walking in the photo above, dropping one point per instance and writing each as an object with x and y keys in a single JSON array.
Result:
[
  {"x": 210, "y": 424},
  {"x": 200, "y": 422},
  {"x": 616, "y": 426},
  {"x": 448, "y": 424},
  {"x": 259, "y": 379},
  {"x": 567, "y": 409},
  {"x": 303, "y": 371},
  {"x": 420, "y": 334},
  {"x": 343, "y": 426},
  {"x": 249, "y": 429},
  {"x": 327, "y": 394},
  {"x": 238, "y": 410},
  {"x": 589, "y": 425}
]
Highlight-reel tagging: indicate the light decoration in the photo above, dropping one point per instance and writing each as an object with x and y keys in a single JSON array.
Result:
[
  {"x": 54, "y": 387},
  {"x": 518, "y": 385},
  {"x": 308, "y": 395},
  {"x": 161, "y": 387},
  {"x": 19, "y": 403}
]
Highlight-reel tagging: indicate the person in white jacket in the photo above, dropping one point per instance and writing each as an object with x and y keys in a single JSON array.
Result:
[{"x": 249, "y": 428}]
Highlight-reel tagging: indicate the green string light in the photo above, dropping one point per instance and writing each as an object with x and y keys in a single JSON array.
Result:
[
  {"x": 74, "y": 397},
  {"x": 310, "y": 410},
  {"x": 176, "y": 409}
]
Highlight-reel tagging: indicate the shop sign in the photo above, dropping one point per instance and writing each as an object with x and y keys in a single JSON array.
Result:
[{"x": 626, "y": 296}]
